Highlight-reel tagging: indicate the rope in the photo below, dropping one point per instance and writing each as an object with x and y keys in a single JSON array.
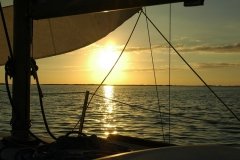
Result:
[
  {"x": 155, "y": 78},
  {"x": 8, "y": 90},
  {"x": 10, "y": 98},
  {"x": 34, "y": 69},
  {"x": 169, "y": 43},
  {"x": 34, "y": 73},
  {"x": 112, "y": 66}
]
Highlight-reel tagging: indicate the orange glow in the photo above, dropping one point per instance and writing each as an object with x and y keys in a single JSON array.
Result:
[{"x": 103, "y": 59}]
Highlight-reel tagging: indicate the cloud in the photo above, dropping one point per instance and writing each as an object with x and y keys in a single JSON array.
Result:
[
  {"x": 183, "y": 67},
  {"x": 142, "y": 70},
  {"x": 65, "y": 68},
  {"x": 219, "y": 49},
  {"x": 139, "y": 49},
  {"x": 182, "y": 49},
  {"x": 229, "y": 48},
  {"x": 163, "y": 68},
  {"x": 217, "y": 65}
]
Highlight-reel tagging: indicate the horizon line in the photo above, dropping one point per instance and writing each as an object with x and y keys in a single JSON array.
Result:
[{"x": 218, "y": 85}]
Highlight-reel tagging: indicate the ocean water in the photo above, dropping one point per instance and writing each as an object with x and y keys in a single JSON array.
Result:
[{"x": 196, "y": 116}]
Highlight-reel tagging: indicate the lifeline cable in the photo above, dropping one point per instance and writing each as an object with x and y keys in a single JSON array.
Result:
[
  {"x": 137, "y": 106},
  {"x": 141, "y": 107},
  {"x": 229, "y": 109}
]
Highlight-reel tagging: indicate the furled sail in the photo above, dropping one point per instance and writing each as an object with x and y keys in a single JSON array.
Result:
[{"x": 59, "y": 35}]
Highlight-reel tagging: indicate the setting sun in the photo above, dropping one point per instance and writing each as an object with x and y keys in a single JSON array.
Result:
[
  {"x": 103, "y": 59},
  {"x": 107, "y": 56}
]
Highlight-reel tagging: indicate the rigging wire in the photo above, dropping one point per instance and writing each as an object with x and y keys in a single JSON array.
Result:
[
  {"x": 169, "y": 74},
  {"x": 9, "y": 64},
  {"x": 155, "y": 78},
  {"x": 6, "y": 32},
  {"x": 112, "y": 66},
  {"x": 169, "y": 43}
]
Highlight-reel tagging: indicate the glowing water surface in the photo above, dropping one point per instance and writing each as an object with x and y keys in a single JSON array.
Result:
[{"x": 197, "y": 117}]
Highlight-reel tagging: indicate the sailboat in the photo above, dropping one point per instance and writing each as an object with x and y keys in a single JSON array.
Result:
[{"x": 38, "y": 27}]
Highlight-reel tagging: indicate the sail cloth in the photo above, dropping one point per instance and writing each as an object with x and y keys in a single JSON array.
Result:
[
  {"x": 53, "y": 36},
  {"x": 59, "y": 35}
]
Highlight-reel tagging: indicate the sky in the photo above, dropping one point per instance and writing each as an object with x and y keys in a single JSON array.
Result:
[{"x": 208, "y": 37}]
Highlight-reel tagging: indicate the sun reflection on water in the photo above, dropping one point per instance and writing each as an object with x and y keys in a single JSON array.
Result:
[{"x": 108, "y": 121}]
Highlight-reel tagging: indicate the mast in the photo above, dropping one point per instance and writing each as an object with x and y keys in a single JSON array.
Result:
[{"x": 21, "y": 77}]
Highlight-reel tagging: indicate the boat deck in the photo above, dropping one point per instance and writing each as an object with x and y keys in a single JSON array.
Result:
[{"x": 89, "y": 147}]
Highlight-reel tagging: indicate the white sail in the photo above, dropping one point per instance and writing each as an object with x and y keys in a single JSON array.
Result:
[
  {"x": 64, "y": 25},
  {"x": 63, "y": 34}
]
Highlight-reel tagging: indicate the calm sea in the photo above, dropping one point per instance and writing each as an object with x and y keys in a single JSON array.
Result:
[{"x": 196, "y": 116}]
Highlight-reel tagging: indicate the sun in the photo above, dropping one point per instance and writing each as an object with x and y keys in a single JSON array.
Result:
[
  {"x": 103, "y": 58},
  {"x": 107, "y": 56}
]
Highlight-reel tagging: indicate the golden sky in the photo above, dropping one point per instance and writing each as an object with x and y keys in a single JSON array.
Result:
[{"x": 208, "y": 37}]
